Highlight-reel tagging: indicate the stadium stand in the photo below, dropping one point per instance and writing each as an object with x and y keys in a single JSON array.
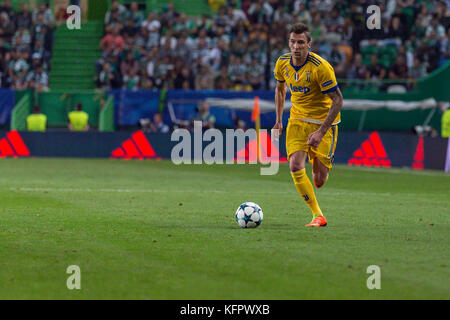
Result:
[
  {"x": 227, "y": 45},
  {"x": 26, "y": 40}
]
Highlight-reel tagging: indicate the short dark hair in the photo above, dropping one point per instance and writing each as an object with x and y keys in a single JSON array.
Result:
[{"x": 300, "y": 28}]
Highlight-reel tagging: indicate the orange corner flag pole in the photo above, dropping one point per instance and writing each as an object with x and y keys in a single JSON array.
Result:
[{"x": 256, "y": 120}]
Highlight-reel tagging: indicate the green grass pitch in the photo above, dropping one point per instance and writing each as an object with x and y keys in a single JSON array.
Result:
[{"x": 153, "y": 230}]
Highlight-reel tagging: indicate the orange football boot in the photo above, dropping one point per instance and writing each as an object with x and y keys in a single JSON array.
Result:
[{"x": 318, "y": 221}]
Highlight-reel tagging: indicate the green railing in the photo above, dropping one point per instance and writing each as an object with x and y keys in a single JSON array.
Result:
[
  {"x": 20, "y": 113},
  {"x": 56, "y": 104},
  {"x": 106, "y": 122}
]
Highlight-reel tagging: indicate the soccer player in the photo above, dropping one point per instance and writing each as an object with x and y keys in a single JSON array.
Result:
[{"x": 315, "y": 113}]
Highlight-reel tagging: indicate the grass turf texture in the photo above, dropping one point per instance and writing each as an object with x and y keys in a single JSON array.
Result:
[{"x": 153, "y": 230}]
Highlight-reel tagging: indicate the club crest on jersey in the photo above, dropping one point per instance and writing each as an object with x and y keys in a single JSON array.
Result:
[
  {"x": 297, "y": 77},
  {"x": 308, "y": 76}
]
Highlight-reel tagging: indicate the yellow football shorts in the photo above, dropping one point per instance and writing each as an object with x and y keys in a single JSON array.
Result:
[{"x": 297, "y": 134}]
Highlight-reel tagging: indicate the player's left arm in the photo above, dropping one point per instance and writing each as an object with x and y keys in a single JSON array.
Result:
[{"x": 337, "y": 101}]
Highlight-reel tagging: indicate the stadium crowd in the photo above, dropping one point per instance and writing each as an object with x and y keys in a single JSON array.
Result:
[
  {"x": 26, "y": 38},
  {"x": 237, "y": 47}
]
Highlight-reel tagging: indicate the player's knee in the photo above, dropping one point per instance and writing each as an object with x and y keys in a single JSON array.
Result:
[{"x": 296, "y": 166}]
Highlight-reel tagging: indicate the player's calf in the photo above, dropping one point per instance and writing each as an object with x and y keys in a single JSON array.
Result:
[
  {"x": 319, "y": 173},
  {"x": 319, "y": 179}
]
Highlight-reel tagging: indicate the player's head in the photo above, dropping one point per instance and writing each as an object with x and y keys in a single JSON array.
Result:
[
  {"x": 299, "y": 40},
  {"x": 79, "y": 107},
  {"x": 36, "y": 109}
]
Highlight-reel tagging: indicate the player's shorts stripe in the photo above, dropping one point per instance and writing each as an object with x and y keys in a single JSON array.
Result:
[
  {"x": 333, "y": 129},
  {"x": 331, "y": 89}
]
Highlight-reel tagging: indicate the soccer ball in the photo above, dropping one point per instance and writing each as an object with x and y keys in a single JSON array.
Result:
[{"x": 249, "y": 215}]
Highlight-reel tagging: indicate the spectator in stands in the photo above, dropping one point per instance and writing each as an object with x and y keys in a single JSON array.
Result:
[
  {"x": 398, "y": 69},
  {"x": 107, "y": 78},
  {"x": 257, "y": 30},
  {"x": 37, "y": 121},
  {"x": 6, "y": 27},
  {"x": 260, "y": 12},
  {"x": 169, "y": 15},
  {"x": 183, "y": 50},
  {"x": 18, "y": 69},
  {"x": 135, "y": 15},
  {"x": 24, "y": 18},
  {"x": 223, "y": 81},
  {"x": 129, "y": 64},
  {"x": 46, "y": 12},
  {"x": 112, "y": 39},
  {"x": 38, "y": 61},
  {"x": 131, "y": 80},
  {"x": 9, "y": 10},
  {"x": 153, "y": 27},
  {"x": 184, "y": 76},
  {"x": 117, "y": 10},
  {"x": 37, "y": 79},
  {"x": 437, "y": 27},
  {"x": 203, "y": 115},
  {"x": 337, "y": 60},
  {"x": 334, "y": 23},
  {"x": 255, "y": 74},
  {"x": 240, "y": 124},
  {"x": 375, "y": 71},
  {"x": 78, "y": 119},
  {"x": 417, "y": 71},
  {"x": 357, "y": 71},
  {"x": 303, "y": 15},
  {"x": 204, "y": 79},
  {"x": 158, "y": 125},
  {"x": 130, "y": 29}
]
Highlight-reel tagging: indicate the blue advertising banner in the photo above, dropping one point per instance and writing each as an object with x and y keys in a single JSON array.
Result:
[
  {"x": 183, "y": 104},
  {"x": 130, "y": 106},
  {"x": 7, "y": 102}
]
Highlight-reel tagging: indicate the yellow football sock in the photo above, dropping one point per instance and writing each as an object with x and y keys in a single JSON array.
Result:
[{"x": 306, "y": 190}]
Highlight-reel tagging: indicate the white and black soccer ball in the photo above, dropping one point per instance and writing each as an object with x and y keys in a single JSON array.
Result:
[{"x": 249, "y": 215}]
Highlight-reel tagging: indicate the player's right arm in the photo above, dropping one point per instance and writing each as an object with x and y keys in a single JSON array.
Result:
[{"x": 280, "y": 97}]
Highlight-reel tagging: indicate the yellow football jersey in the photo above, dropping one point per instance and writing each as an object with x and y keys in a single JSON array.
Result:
[{"x": 309, "y": 85}]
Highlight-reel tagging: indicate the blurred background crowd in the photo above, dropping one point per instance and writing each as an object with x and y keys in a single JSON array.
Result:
[
  {"x": 26, "y": 38},
  {"x": 237, "y": 47}
]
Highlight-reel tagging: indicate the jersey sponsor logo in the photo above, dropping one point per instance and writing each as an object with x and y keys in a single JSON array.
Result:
[
  {"x": 300, "y": 89},
  {"x": 327, "y": 83}
]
